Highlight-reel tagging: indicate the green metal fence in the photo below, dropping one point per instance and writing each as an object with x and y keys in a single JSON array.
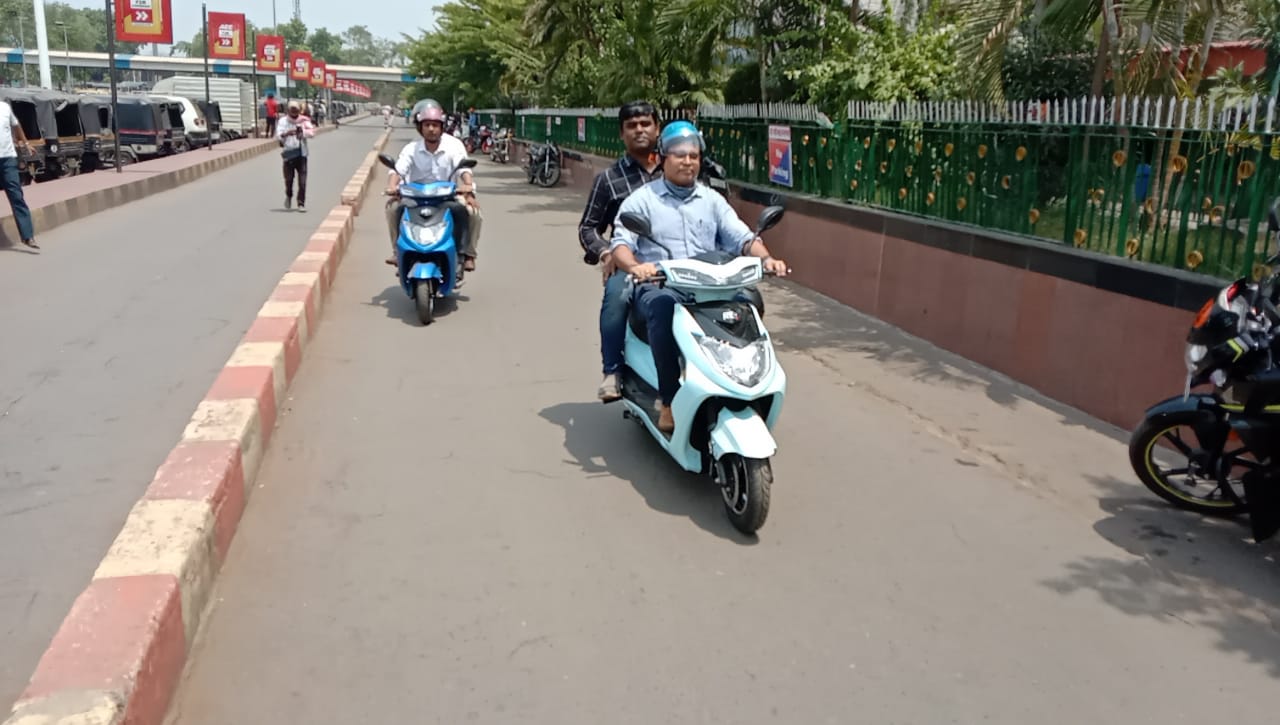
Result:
[{"x": 1177, "y": 183}]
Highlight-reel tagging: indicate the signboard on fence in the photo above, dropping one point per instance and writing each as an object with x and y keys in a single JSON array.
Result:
[
  {"x": 780, "y": 155},
  {"x": 582, "y": 129}
]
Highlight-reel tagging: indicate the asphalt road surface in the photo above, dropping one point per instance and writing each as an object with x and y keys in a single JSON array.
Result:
[
  {"x": 448, "y": 528},
  {"x": 110, "y": 337}
]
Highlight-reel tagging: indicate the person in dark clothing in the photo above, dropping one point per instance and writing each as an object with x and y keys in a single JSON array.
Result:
[
  {"x": 638, "y": 125},
  {"x": 273, "y": 112}
]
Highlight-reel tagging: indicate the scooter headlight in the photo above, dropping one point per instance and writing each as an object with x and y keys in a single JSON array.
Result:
[
  {"x": 426, "y": 234},
  {"x": 746, "y": 366}
]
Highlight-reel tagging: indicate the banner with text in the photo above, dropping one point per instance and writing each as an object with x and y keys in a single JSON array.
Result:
[
  {"x": 144, "y": 21},
  {"x": 270, "y": 53},
  {"x": 299, "y": 65},
  {"x": 330, "y": 79},
  {"x": 317, "y": 73},
  {"x": 226, "y": 35}
]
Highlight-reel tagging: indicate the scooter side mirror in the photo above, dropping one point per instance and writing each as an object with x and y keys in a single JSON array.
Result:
[
  {"x": 769, "y": 218},
  {"x": 635, "y": 224},
  {"x": 387, "y": 161},
  {"x": 1273, "y": 217},
  {"x": 714, "y": 169},
  {"x": 467, "y": 163}
]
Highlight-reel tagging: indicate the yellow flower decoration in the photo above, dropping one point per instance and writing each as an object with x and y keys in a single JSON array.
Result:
[
  {"x": 1034, "y": 215},
  {"x": 1195, "y": 259},
  {"x": 1006, "y": 182},
  {"x": 961, "y": 203},
  {"x": 1118, "y": 158},
  {"x": 1179, "y": 164},
  {"x": 1131, "y": 248},
  {"x": 1080, "y": 237},
  {"x": 1021, "y": 153},
  {"x": 948, "y": 149},
  {"x": 930, "y": 198},
  {"x": 853, "y": 184},
  {"x": 982, "y": 151},
  {"x": 1245, "y": 169},
  {"x": 970, "y": 178},
  {"x": 884, "y": 166},
  {"x": 891, "y": 144},
  {"x": 902, "y": 193}
]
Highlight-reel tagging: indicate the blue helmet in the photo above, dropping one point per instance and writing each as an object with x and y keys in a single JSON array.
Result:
[{"x": 679, "y": 131}]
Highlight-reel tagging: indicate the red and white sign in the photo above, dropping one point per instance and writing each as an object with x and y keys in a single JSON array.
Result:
[
  {"x": 271, "y": 53},
  {"x": 317, "y": 74},
  {"x": 144, "y": 21},
  {"x": 226, "y": 35},
  {"x": 299, "y": 65},
  {"x": 330, "y": 79}
]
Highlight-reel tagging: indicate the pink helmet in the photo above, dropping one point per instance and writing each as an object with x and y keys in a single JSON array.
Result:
[{"x": 428, "y": 110}]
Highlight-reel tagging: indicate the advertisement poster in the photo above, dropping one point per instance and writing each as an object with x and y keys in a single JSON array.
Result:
[
  {"x": 330, "y": 79},
  {"x": 582, "y": 129},
  {"x": 299, "y": 65},
  {"x": 780, "y": 155},
  {"x": 144, "y": 21},
  {"x": 226, "y": 35},
  {"x": 317, "y": 74},
  {"x": 271, "y": 53}
]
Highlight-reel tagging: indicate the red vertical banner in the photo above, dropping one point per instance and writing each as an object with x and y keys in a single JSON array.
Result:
[
  {"x": 227, "y": 36},
  {"x": 270, "y": 53},
  {"x": 299, "y": 65},
  {"x": 144, "y": 21},
  {"x": 330, "y": 79},
  {"x": 317, "y": 74}
]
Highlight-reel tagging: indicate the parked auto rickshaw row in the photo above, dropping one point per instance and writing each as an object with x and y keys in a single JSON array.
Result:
[{"x": 73, "y": 133}]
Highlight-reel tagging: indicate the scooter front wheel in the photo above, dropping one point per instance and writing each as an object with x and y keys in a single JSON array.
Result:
[
  {"x": 424, "y": 298},
  {"x": 744, "y": 485}
]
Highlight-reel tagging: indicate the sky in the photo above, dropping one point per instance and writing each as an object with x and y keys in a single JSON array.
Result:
[{"x": 384, "y": 18}]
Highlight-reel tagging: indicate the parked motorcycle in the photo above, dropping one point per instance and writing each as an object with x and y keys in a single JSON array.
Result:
[
  {"x": 427, "y": 260},
  {"x": 542, "y": 164},
  {"x": 733, "y": 387},
  {"x": 500, "y": 152},
  {"x": 1215, "y": 452}
]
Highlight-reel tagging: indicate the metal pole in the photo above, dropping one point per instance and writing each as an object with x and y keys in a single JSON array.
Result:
[
  {"x": 42, "y": 44},
  {"x": 275, "y": 26},
  {"x": 22, "y": 41},
  {"x": 111, "y": 73},
  {"x": 204, "y": 19},
  {"x": 67, "y": 45},
  {"x": 253, "y": 44}
]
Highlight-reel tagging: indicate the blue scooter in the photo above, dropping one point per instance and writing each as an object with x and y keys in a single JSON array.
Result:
[{"x": 426, "y": 255}]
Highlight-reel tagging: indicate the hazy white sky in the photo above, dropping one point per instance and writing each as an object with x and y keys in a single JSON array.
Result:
[{"x": 385, "y": 18}]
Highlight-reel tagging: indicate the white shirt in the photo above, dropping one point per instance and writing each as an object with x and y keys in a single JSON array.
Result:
[
  {"x": 284, "y": 132},
  {"x": 8, "y": 122},
  {"x": 417, "y": 165}
]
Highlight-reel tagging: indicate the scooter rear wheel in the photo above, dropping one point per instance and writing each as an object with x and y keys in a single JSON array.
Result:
[{"x": 744, "y": 485}]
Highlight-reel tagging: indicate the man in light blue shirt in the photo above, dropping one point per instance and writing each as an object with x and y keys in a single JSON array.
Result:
[{"x": 687, "y": 219}]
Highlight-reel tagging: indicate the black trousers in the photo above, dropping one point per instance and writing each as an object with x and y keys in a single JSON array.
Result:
[{"x": 296, "y": 166}]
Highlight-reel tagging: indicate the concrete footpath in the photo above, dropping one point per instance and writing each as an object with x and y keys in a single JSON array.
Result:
[
  {"x": 61, "y": 201},
  {"x": 119, "y": 329},
  {"x": 449, "y": 528}
]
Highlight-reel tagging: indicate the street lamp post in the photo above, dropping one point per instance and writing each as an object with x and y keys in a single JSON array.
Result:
[{"x": 66, "y": 45}]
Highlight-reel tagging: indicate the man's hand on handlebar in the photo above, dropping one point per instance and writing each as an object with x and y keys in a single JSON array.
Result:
[
  {"x": 776, "y": 266},
  {"x": 645, "y": 271}
]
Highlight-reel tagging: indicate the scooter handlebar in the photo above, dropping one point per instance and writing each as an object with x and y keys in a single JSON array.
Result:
[{"x": 662, "y": 277}]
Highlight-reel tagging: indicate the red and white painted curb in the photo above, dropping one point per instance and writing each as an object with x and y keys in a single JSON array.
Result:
[{"x": 119, "y": 654}]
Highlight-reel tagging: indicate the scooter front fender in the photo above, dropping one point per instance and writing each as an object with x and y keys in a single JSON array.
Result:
[
  {"x": 742, "y": 432},
  {"x": 426, "y": 270}
]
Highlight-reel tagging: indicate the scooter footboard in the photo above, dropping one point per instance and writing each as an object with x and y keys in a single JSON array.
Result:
[{"x": 742, "y": 432}]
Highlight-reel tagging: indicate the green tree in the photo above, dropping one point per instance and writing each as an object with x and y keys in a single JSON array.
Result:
[{"x": 326, "y": 46}]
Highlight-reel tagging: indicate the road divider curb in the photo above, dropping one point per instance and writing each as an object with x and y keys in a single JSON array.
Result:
[
  {"x": 119, "y": 654},
  {"x": 65, "y": 211}
]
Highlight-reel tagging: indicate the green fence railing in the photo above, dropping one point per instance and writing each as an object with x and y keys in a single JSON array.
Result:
[{"x": 1177, "y": 183}]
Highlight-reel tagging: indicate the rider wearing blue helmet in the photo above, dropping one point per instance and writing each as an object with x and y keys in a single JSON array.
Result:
[{"x": 686, "y": 219}]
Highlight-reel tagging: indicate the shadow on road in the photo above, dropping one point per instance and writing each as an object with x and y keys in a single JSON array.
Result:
[
  {"x": 1205, "y": 572},
  {"x": 595, "y": 432},
  {"x": 399, "y": 307}
]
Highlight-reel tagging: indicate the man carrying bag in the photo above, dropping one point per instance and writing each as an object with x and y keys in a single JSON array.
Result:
[{"x": 292, "y": 132}]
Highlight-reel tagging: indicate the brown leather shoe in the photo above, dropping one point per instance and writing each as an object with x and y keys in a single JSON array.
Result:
[
  {"x": 469, "y": 264},
  {"x": 666, "y": 422},
  {"x": 391, "y": 261}
]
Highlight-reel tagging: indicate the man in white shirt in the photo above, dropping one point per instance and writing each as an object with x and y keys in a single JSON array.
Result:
[
  {"x": 435, "y": 157},
  {"x": 12, "y": 137},
  {"x": 292, "y": 133}
]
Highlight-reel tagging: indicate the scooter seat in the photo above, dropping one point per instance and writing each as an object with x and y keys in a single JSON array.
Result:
[{"x": 639, "y": 325}]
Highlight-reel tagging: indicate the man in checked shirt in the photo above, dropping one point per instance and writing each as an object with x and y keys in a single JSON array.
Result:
[{"x": 638, "y": 122}]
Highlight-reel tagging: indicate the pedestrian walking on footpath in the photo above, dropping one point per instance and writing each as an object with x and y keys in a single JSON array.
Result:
[
  {"x": 273, "y": 112},
  {"x": 292, "y": 132},
  {"x": 12, "y": 137}
]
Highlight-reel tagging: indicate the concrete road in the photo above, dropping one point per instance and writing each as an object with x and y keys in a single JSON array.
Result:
[
  {"x": 449, "y": 529},
  {"x": 109, "y": 339}
]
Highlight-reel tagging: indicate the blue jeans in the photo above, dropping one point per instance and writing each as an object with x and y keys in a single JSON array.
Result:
[
  {"x": 13, "y": 190},
  {"x": 658, "y": 307},
  {"x": 613, "y": 322}
]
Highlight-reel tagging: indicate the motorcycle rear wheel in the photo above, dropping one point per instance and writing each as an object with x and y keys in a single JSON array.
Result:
[
  {"x": 1216, "y": 501},
  {"x": 745, "y": 487},
  {"x": 547, "y": 177}
]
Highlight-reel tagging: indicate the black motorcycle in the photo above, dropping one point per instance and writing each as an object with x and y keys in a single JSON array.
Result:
[
  {"x": 1216, "y": 452},
  {"x": 542, "y": 164}
]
